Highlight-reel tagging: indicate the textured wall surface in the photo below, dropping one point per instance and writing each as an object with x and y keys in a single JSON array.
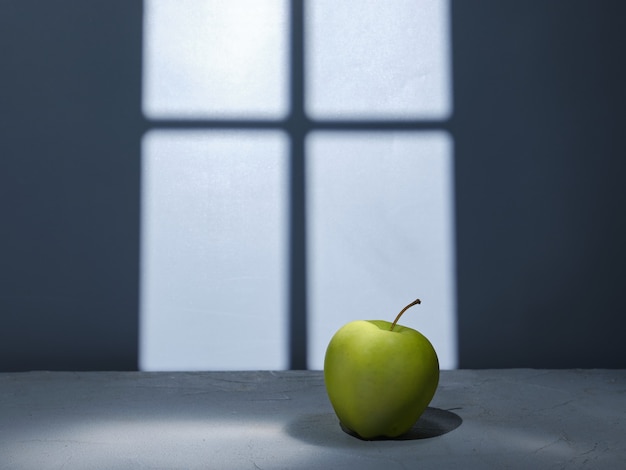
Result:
[{"x": 537, "y": 119}]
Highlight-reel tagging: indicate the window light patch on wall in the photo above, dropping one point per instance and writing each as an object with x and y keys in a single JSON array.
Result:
[
  {"x": 230, "y": 162},
  {"x": 215, "y": 59},
  {"x": 372, "y": 59}
]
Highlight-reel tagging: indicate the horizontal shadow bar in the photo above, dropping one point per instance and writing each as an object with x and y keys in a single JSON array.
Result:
[{"x": 301, "y": 123}]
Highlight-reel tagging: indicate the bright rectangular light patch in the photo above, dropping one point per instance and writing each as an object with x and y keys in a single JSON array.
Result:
[
  {"x": 213, "y": 250},
  {"x": 371, "y": 59},
  {"x": 381, "y": 234},
  {"x": 215, "y": 59}
]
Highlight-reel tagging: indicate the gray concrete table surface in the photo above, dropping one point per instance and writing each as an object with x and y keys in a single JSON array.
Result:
[{"x": 517, "y": 418}]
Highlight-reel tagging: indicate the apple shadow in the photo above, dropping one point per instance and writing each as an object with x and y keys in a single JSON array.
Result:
[
  {"x": 322, "y": 429},
  {"x": 433, "y": 422}
]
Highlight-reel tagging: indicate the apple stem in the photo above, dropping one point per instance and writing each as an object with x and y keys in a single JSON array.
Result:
[{"x": 415, "y": 302}]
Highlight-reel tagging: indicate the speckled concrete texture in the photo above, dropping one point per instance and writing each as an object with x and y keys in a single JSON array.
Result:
[{"x": 518, "y": 418}]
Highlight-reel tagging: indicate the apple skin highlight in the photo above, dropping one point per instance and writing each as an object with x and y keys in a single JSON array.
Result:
[{"x": 379, "y": 381}]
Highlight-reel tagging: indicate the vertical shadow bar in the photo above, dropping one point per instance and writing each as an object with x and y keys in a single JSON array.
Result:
[{"x": 297, "y": 209}]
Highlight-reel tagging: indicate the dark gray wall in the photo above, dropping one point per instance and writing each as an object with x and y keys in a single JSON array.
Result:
[
  {"x": 539, "y": 128},
  {"x": 70, "y": 125},
  {"x": 539, "y": 114}
]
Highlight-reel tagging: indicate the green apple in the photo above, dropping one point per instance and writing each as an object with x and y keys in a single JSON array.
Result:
[{"x": 380, "y": 376}]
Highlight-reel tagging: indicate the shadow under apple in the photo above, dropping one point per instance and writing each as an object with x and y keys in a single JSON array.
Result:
[
  {"x": 433, "y": 422},
  {"x": 322, "y": 429}
]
